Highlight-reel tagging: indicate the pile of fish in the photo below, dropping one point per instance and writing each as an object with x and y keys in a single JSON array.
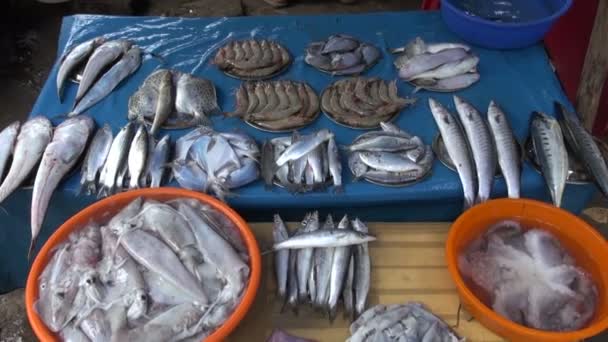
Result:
[
  {"x": 276, "y": 105},
  {"x": 323, "y": 264},
  {"x": 172, "y": 99},
  {"x": 206, "y": 160},
  {"x": 129, "y": 160},
  {"x": 438, "y": 66},
  {"x": 551, "y": 141},
  {"x": 401, "y": 322},
  {"x": 252, "y": 59},
  {"x": 389, "y": 157},
  {"x": 361, "y": 102},
  {"x": 106, "y": 64},
  {"x": 53, "y": 151},
  {"x": 341, "y": 55},
  {"x": 529, "y": 278},
  {"x": 478, "y": 149},
  {"x": 302, "y": 163},
  {"x": 154, "y": 272}
]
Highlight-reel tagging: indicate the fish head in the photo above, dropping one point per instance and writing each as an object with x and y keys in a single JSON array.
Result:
[
  {"x": 139, "y": 305},
  {"x": 61, "y": 300},
  {"x": 92, "y": 285}
]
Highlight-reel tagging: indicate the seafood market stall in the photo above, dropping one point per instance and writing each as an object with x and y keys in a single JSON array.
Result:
[{"x": 521, "y": 81}]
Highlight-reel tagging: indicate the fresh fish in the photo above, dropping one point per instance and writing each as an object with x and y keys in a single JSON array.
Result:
[
  {"x": 116, "y": 158},
  {"x": 348, "y": 291},
  {"x": 450, "y": 69},
  {"x": 450, "y": 83},
  {"x": 189, "y": 175},
  {"x": 69, "y": 141},
  {"x": 292, "y": 282},
  {"x": 389, "y": 162},
  {"x": 380, "y": 322},
  {"x": 410, "y": 67},
  {"x": 304, "y": 257},
  {"x": 315, "y": 163},
  {"x": 197, "y": 97},
  {"x": 73, "y": 59},
  {"x": 383, "y": 143},
  {"x": 157, "y": 257},
  {"x": 127, "y": 65},
  {"x": 72, "y": 333},
  {"x": 303, "y": 147},
  {"x": 370, "y": 53},
  {"x": 345, "y": 60},
  {"x": 482, "y": 146},
  {"x": 281, "y": 258},
  {"x": 339, "y": 43},
  {"x": 357, "y": 166},
  {"x": 584, "y": 146},
  {"x": 324, "y": 238},
  {"x": 438, "y": 47},
  {"x": 95, "y": 158},
  {"x": 322, "y": 267},
  {"x": 456, "y": 145},
  {"x": 138, "y": 152},
  {"x": 103, "y": 56},
  {"x": 335, "y": 165},
  {"x": 96, "y": 327},
  {"x": 247, "y": 173},
  {"x": 369, "y": 314},
  {"x": 506, "y": 148},
  {"x": 183, "y": 144},
  {"x": 339, "y": 269},
  {"x": 8, "y": 137},
  {"x": 33, "y": 138},
  {"x": 158, "y": 164},
  {"x": 363, "y": 269},
  {"x": 551, "y": 152},
  {"x": 164, "y": 103}
]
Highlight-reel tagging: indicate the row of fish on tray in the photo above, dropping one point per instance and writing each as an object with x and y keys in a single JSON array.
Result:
[
  {"x": 475, "y": 147},
  {"x": 154, "y": 271}
]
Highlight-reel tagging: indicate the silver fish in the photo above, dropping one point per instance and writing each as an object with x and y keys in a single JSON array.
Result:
[
  {"x": 322, "y": 267},
  {"x": 268, "y": 165},
  {"x": 551, "y": 152},
  {"x": 304, "y": 257},
  {"x": 456, "y": 145},
  {"x": 450, "y": 69},
  {"x": 72, "y": 59},
  {"x": 164, "y": 104},
  {"x": 189, "y": 175},
  {"x": 197, "y": 97},
  {"x": 33, "y": 138},
  {"x": 392, "y": 128},
  {"x": 61, "y": 154},
  {"x": 451, "y": 83},
  {"x": 138, "y": 152},
  {"x": 8, "y": 137},
  {"x": 363, "y": 269},
  {"x": 281, "y": 258},
  {"x": 116, "y": 158},
  {"x": 410, "y": 67},
  {"x": 158, "y": 164},
  {"x": 304, "y": 146},
  {"x": 339, "y": 269},
  {"x": 506, "y": 148},
  {"x": 339, "y": 43},
  {"x": 315, "y": 163},
  {"x": 348, "y": 295},
  {"x": 324, "y": 238},
  {"x": 127, "y": 65},
  {"x": 482, "y": 146},
  {"x": 247, "y": 173},
  {"x": 335, "y": 165},
  {"x": 97, "y": 154},
  {"x": 387, "y": 161},
  {"x": 383, "y": 143},
  {"x": 292, "y": 282},
  {"x": 105, "y": 54}
]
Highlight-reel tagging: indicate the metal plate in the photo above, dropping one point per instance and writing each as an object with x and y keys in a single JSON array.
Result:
[
  {"x": 264, "y": 129},
  {"x": 437, "y": 90},
  {"x": 443, "y": 156},
  {"x": 331, "y": 72},
  {"x": 336, "y": 121},
  {"x": 401, "y": 185},
  {"x": 260, "y": 78},
  {"x": 576, "y": 170}
]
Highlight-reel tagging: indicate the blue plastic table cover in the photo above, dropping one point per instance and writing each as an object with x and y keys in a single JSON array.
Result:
[{"x": 519, "y": 80}]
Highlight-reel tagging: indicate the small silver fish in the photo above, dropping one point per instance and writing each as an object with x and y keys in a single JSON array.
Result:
[
  {"x": 158, "y": 164},
  {"x": 116, "y": 159},
  {"x": 506, "y": 148},
  {"x": 324, "y": 238},
  {"x": 281, "y": 258},
  {"x": 304, "y": 146},
  {"x": 72, "y": 59},
  {"x": 304, "y": 257},
  {"x": 95, "y": 158},
  {"x": 136, "y": 160},
  {"x": 335, "y": 165},
  {"x": 339, "y": 269}
]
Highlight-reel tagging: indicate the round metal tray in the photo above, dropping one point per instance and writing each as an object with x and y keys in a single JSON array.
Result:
[
  {"x": 400, "y": 185},
  {"x": 430, "y": 88},
  {"x": 283, "y": 130},
  {"x": 442, "y": 154},
  {"x": 260, "y": 78}
]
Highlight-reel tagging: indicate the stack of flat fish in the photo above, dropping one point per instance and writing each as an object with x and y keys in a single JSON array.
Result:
[
  {"x": 401, "y": 322},
  {"x": 389, "y": 157},
  {"x": 206, "y": 160},
  {"x": 276, "y": 105},
  {"x": 156, "y": 271},
  {"x": 131, "y": 159},
  {"x": 172, "y": 99},
  {"x": 361, "y": 102},
  {"x": 106, "y": 64},
  {"x": 437, "y": 66},
  {"x": 302, "y": 163},
  {"x": 321, "y": 265},
  {"x": 342, "y": 55},
  {"x": 252, "y": 59},
  {"x": 476, "y": 150},
  {"x": 53, "y": 151}
]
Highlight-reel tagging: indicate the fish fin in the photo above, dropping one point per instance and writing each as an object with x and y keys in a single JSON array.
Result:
[
  {"x": 160, "y": 57},
  {"x": 31, "y": 248},
  {"x": 417, "y": 89}
]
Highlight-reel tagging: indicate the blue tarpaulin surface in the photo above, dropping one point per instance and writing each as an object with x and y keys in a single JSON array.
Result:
[{"x": 519, "y": 80}]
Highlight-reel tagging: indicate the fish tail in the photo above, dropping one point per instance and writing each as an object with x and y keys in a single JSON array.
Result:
[{"x": 31, "y": 248}]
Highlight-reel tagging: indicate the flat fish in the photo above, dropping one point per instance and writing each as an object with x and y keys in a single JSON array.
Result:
[
  {"x": 33, "y": 138},
  {"x": 61, "y": 154}
]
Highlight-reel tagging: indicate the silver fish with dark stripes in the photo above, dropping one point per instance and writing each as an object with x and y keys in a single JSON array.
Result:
[{"x": 506, "y": 148}]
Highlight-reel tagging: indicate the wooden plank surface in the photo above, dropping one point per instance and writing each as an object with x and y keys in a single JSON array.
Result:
[
  {"x": 407, "y": 265},
  {"x": 595, "y": 68}
]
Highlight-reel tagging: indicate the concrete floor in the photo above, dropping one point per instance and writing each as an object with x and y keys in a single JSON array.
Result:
[{"x": 35, "y": 27}]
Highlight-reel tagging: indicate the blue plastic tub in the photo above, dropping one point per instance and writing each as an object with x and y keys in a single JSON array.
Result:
[{"x": 502, "y": 24}]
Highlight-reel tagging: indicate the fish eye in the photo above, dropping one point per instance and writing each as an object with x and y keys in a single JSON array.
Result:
[
  {"x": 143, "y": 297},
  {"x": 60, "y": 295}
]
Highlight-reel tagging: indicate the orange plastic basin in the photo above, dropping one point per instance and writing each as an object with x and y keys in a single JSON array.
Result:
[
  {"x": 102, "y": 211},
  {"x": 585, "y": 244}
]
